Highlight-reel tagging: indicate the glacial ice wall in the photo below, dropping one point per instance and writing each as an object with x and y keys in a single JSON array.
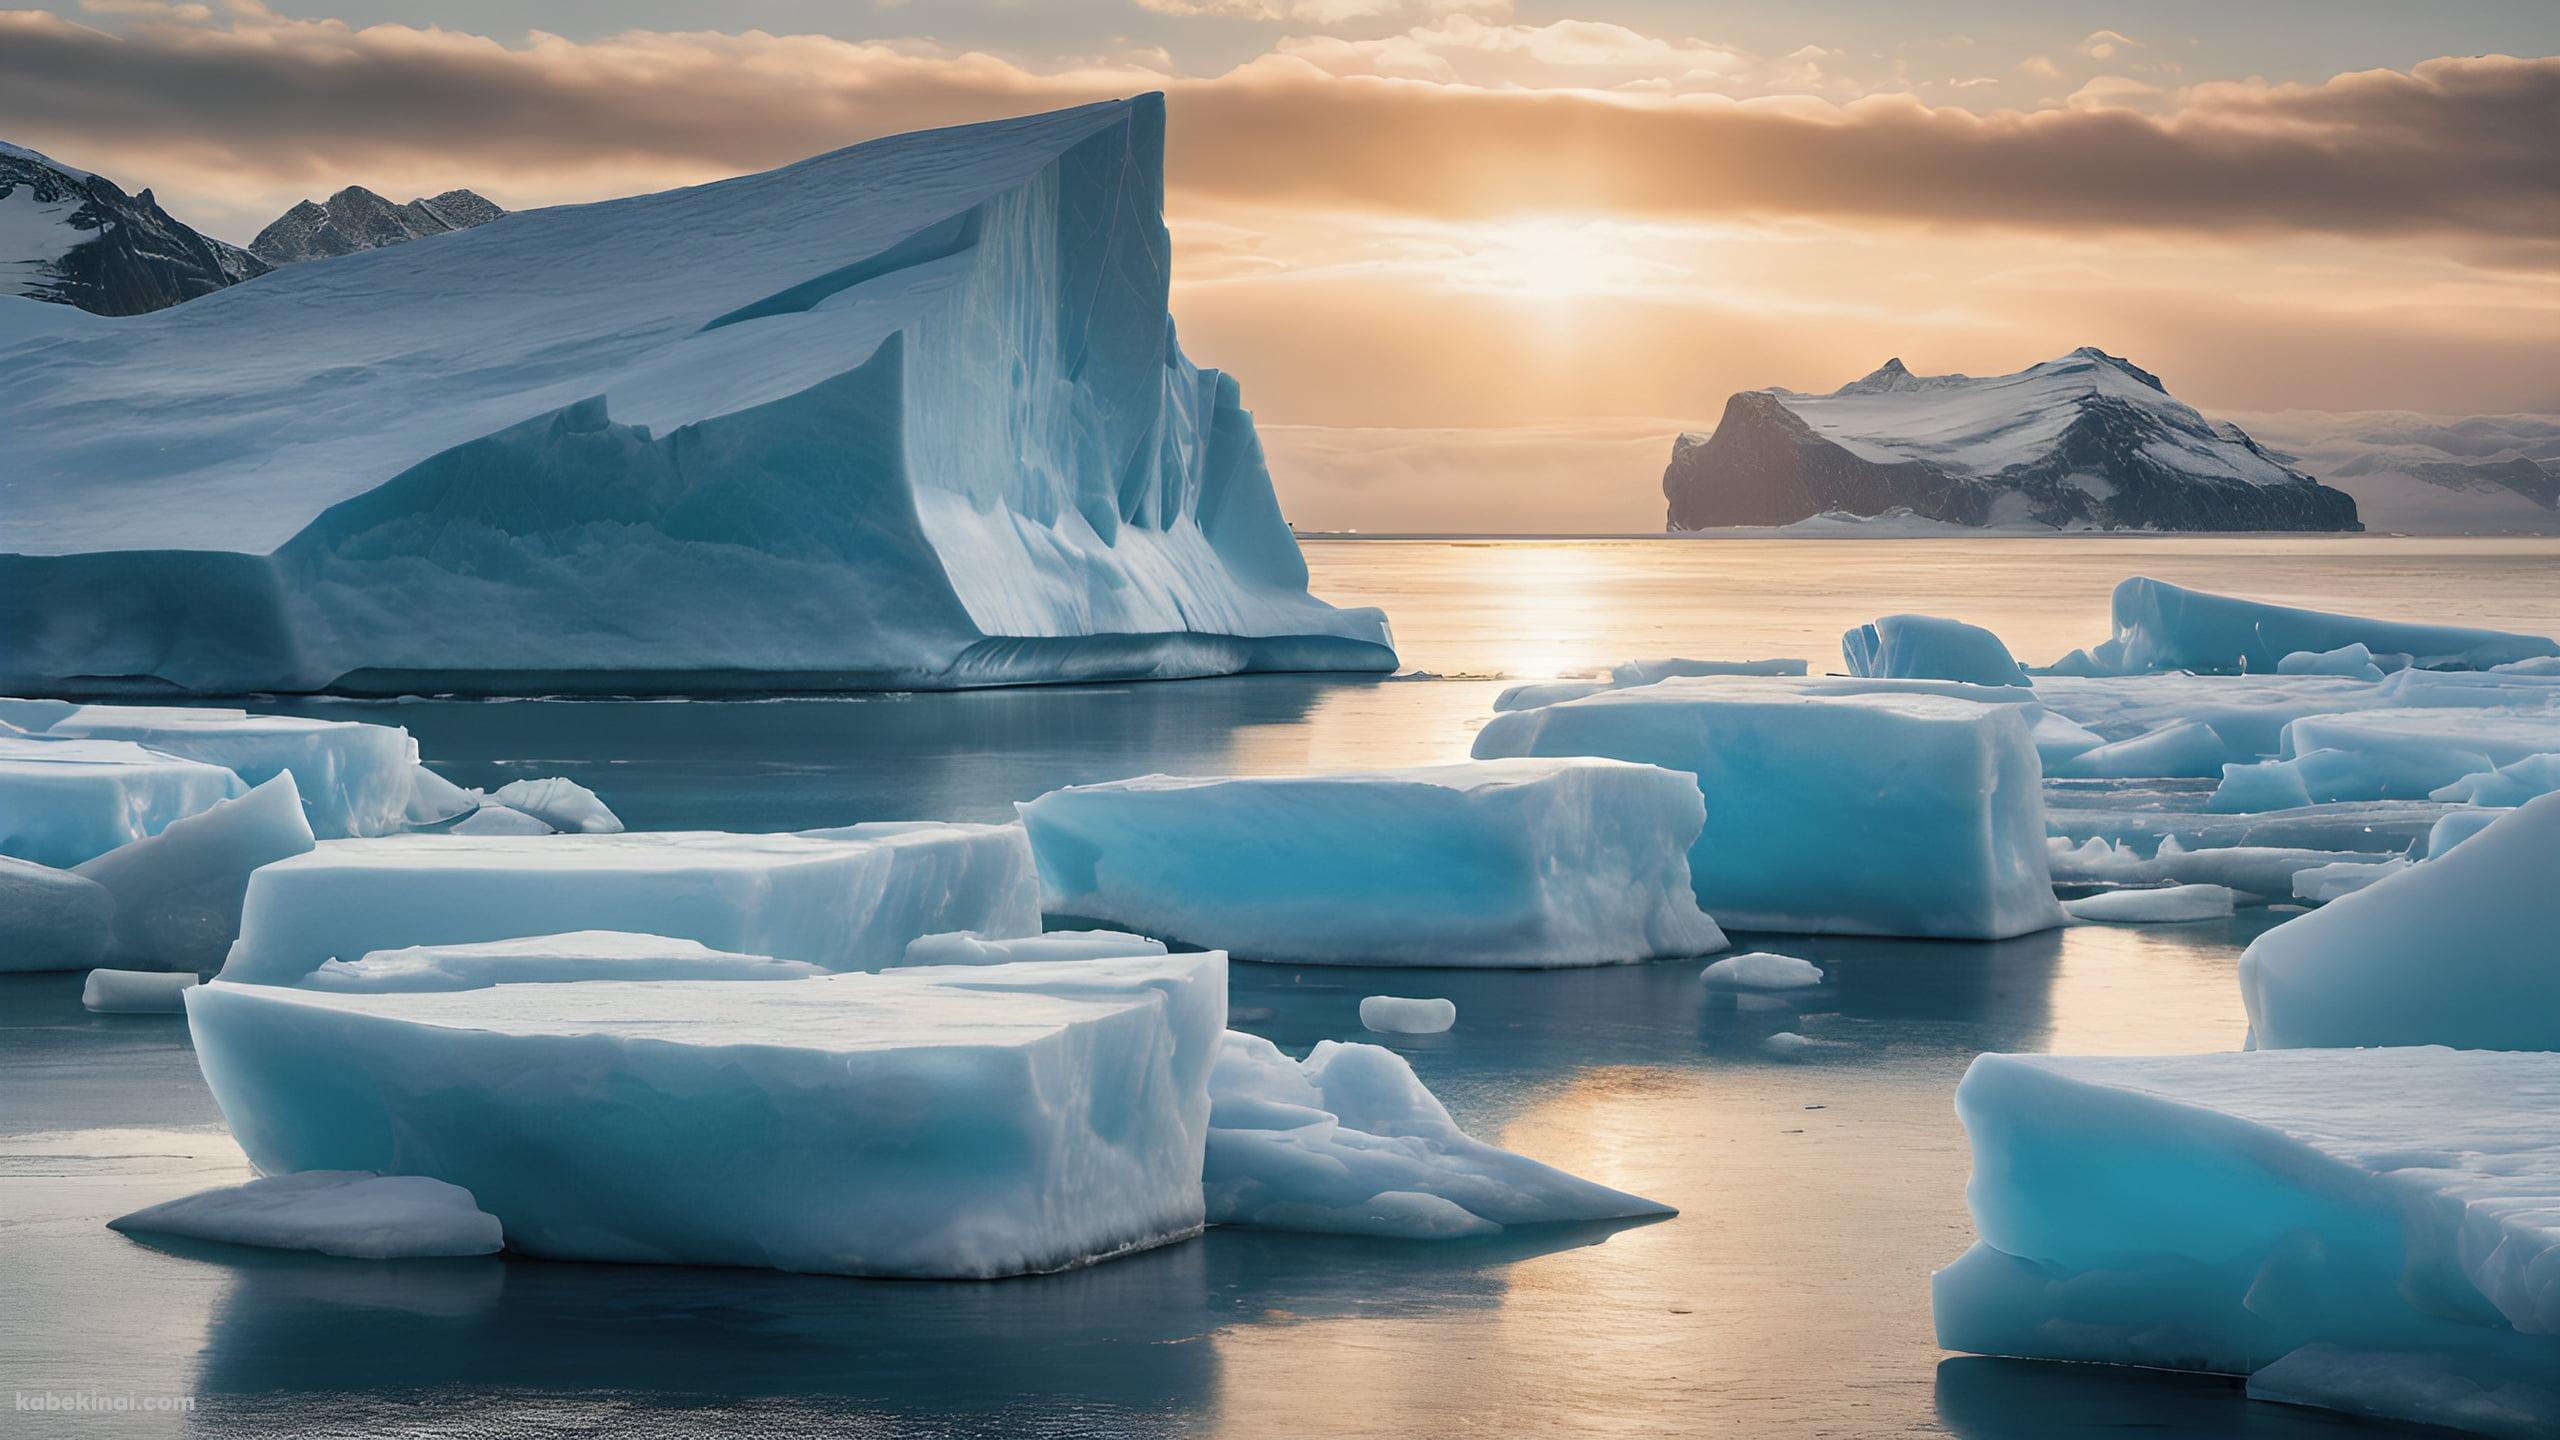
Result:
[{"x": 907, "y": 414}]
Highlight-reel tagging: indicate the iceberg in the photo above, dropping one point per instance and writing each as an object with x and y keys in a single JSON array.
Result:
[
  {"x": 2457, "y": 950},
  {"x": 1399, "y": 1015},
  {"x": 1527, "y": 863},
  {"x": 849, "y": 902},
  {"x": 335, "y": 1212},
  {"x": 63, "y": 802},
  {"x": 1761, "y": 970},
  {"x": 1890, "y": 813},
  {"x": 922, "y": 423},
  {"x": 178, "y": 894},
  {"x": 2232, "y": 1212},
  {"x": 2165, "y": 904},
  {"x": 137, "y": 992},
  {"x": 962, "y": 1123},
  {"x": 2160, "y": 626},
  {"x": 354, "y": 778},
  {"x": 1928, "y": 647},
  {"x": 548, "y": 959},
  {"x": 51, "y": 919},
  {"x": 1350, "y": 1141}
]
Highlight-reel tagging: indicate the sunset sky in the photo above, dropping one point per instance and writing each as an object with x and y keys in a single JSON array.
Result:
[{"x": 1474, "y": 263}]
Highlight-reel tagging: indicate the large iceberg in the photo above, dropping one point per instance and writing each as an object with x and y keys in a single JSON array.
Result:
[
  {"x": 2388, "y": 1214},
  {"x": 2160, "y": 626},
  {"x": 1515, "y": 862},
  {"x": 849, "y": 901},
  {"x": 966, "y": 1122},
  {"x": 2462, "y": 950},
  {"x": 1895, "y": 812},
  {"x": 920, "y": 421}
]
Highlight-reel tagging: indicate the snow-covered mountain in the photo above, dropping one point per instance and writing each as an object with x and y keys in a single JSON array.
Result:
[
  {"x": 920, "y": 421},
  {"x": 2085, "y": 441},
  {"x": 2431, "y": 474},
  {"x": 74, "y": 238},
  {"x": 357, "y": 219}
]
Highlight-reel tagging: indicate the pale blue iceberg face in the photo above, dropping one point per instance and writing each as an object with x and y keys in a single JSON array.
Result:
[
  {"x": 965, "y": 1122},
  {"x": 2160, "y": 626},
  {"x": 2354, "y": 661},
  {"x": 846, "y": 903},
  {"x": 963, "y": 948},
  {"x": 63, "y": 802},
  {"x": 1929, "y": 647},
  {"x": 2462, "y": 950},
  {"x": 1519, "y": 863},
  {"x": 1889, "y": 813},
  {"x": 2507, "y": 785},
  {"x": 2185, "y": 748},
  {"x": 548, "y": 959},
  {"x": 354, "y": 779},
  {"x": 1350, "y": 1141},
  {"x": 2225, "y": 1212},
  {"x": 335, "y": 1212},
  {"x": 178, "y": 894},
  {"x": 51, "y": 919},
  {"x": 923, "y": 422}
]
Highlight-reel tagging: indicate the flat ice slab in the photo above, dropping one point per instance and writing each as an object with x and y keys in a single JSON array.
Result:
[
  {"x": 2160, "y": 626},
  {"x": 354, "y": 778},
  {"x": 2462, "y": 949},
  {"x": 2165, "y": 904},
  {"x": 137, "y": 992},
  {"x": 1349, "y": 1140},
  {"x": 63, "y": 802},
  {"x": 2224, "y": 1212},
  {"x": 1884, "y": 813},
  {"x": 964, "y": 1122},
  {"x": 1513, "y": 863},
  {"x": 963, "y": 948},
  {"x": 845, "y": 903},
  {"x": 549, "y": 959},
  {"x": 357, "y": 1215}
]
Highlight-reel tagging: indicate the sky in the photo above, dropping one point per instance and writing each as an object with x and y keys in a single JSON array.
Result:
[{"x": 1475, "y": 262}]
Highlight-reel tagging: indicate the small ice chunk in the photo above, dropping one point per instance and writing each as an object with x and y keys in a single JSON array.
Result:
[
  {"x": 2508, "y": 785},
  {"x": 178, "y": 894},
  {"x": 1350, "y": 1141},
  {"x": 541, "y": 959},
  {"x": 2420, "y": 1388},
  {"x": 1396, "y": 1015},
  {"x": 1762, "y": 970},
  {"x": 2352, "y": 660},
  {"x": 51, "y": 919},
  {"x": 962, "y": 948},
  {"x": 2249, "y": 789},
  {"x": 2261, "y": 870},
  {"x": 495, "y": 819},
  {"x": 63, "y": 802},
  {"x": 1788, "y": 1042},
  {"x": 563, "y": 805},
  {"x": 1929, "y": 647},
  {"x": 1646, "y": 672},
  {"x": 2167, "y": 904},
  {"x": 137, "y": 992},
  {"x": 2188, "y": 748},
  {"x": 2321, "y": 884},
  {"x": 2457, "y": 826},
  {"x": 433, "y": 799},
  {"x": 351, "y": 1213}
]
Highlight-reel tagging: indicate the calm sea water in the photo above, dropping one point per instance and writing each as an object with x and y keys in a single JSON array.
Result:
[{"x": 1817, "y": 1192}]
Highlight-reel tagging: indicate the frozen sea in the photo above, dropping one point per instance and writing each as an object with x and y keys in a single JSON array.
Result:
[{"x": 1818, "y": 1187}]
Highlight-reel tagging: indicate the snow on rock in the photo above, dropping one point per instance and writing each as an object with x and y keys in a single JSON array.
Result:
[
  {"x": 350, "y": 1213},
  {"x": 2455, "y": 951},
  {"x": 2166, "y": 904},
  {"x": 2222, "y": 1212},
  {"x": 942, "y": 1122},
  {"x": 845, "y": 903},
  {"x": 541, "y": 959},
  {"x": 2267, "y": 871},
  {"x": 2353, "y": 661},
  {"x": 1928, "y": 647},
  {"x": 51, "y": 919},
  {"x": 354, "y": 778},
  {"x": 1761, "y": 970},
  {"x": 1398, "y": 1015},
  {"x": 1513, "y": 862},
  {"x": 963, "y": 948},
  {"x": 923, "y": 422},
  {"x": 1898, "y": 812},
  {"x": 2186, "y": 748},
  {"x": 1349, "y": 1140},
  {"x": 66, "y": 801},
  {"x": 137, "y": 992},
  {"x": 563, "y": 805},
  {"x": 2160, "y": 626},
  {"x": 178, "y": 894}
]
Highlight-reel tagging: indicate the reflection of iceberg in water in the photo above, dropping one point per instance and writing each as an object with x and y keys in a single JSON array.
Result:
[
  {"x": 1983, "y": 1398},
  {"x": 1129, "y": 1345}
]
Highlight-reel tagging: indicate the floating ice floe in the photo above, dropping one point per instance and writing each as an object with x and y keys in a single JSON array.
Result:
[
  {"x": 178, "y": 894},
  {"x": 51, "y": 919},
  {"x": 1631, "y": 673},
  {"x": 2160, "y": 626},
  {"x": 1398, "y": 1015},
  {"x": 2185, "y": 748},
  {"x": 548, "y": 959},
  {"x": 2389, "y": 1212},
  {"x": 2162, "y": 905},
  {"x": 2456, "y": 827},
  {"x": 335, "y": 1212},
  {"x": 2353, "y": 661},
  {"x": 2459, "y": 950},
  {"x": 2321, "y": 884},
  {"x": 1349, "y": 1140},
  {"x": 354, "y": 778},
  {"x": 963, "y": 948},
  {"x": 2507, "y": 785},
  {"x": 564, "y": 805},
  {"x": 1889, "y": 813},
  {"x": 1512, "y": 862},
  {"x": 495, "y": 819},
  {"x": 929, "y": 1122},
  {"x": 137, "y": 992},
  {"x": 1929, "y": 647},
  {"x": 63, "y": 802},
  {"x": 847, "y": 900},
  {"x": 1761, "y": 970},
  {"x": 2261, "y": 870}
]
